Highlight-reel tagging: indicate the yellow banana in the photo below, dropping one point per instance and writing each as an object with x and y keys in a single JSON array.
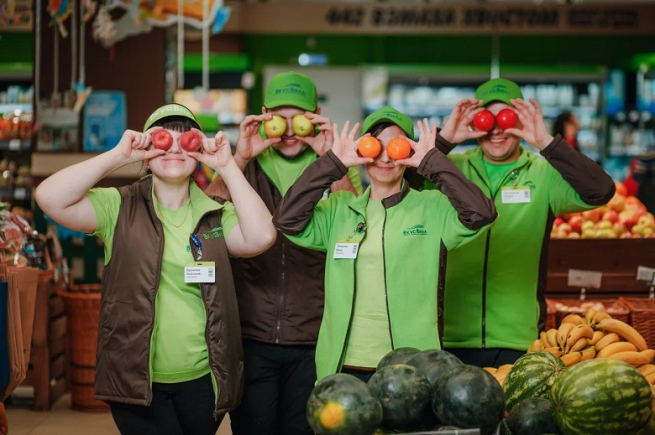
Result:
[
  {"x": 555, "y": 351},
  {"x": 624, "y": 330},
  {"x": 500, "y": 377},
  {"x": 597, "y": 336},
  {"x": 563, "y": 333},
  {"x": 651, "y": 378},
  {"x": 535, "y": 346},
  {"x": 551, "y": 336},
  {"x": 589, "y": 315},
  {"x": 580, "y": 331},
  {"x": 633, "y": 358},
  {"x": 491, "y": 370},
  {"x": 600, "y": 316},
  {"x": 505, "y": 368},
  {"x": 646, "y": 369},
  {"x": 588, "y": 353},
  {"x": 579, "y": 345},
  {"x": 650, "y": 354},
  {"x": 543, "y": 340},
  {"x": 608, "y": 339},
  {"x": 571, "y": 358},
  {"x": 573, "y": 318},
  {"x": 619, "y": 346}
]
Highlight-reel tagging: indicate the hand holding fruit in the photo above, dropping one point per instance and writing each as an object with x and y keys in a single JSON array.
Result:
[
  {"x": 217, "y": 153},
  {"x": 250, "y": 144},
  {"x": 426, "y": 142},
  {"x": 303, "y": 127},
  {"x": 456, "y": 129},
  {"x": 533, "y": 128},
  {"x": 133, "y": 146},
  {"x": 345, "y": 147}
]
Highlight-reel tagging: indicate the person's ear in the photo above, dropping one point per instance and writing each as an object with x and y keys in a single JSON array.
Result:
[{"x": 318, "y": 110}]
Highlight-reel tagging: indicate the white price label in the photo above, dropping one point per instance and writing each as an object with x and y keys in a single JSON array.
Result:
[
  {"x": 14, "y": 144},
  {"x": 584, "y": 278},
  {"x": 20, "y": 193},
  {"x": 645, "y": 273}
]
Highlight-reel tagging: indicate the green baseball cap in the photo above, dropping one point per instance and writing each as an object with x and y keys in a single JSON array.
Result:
[
  {"x": 389, "y": 114},
  {"x": 291, "y": 89},
  {"x": 498, "y": 90},
  {"x": 167, "y": 110}
]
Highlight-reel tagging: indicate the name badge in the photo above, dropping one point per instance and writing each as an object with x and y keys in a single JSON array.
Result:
[
  {"x": 346, "y": 250},
  {"x": 515, "y": 194},
  {"x": 201, "y": 272}
]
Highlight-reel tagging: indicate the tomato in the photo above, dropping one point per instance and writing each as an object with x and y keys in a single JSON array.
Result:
[
  {"x": 399, "y": 148},
  {"x": 484, "y": 120},
  {"x": 506, "y": 118},
  {"x": 190, "y": 141},
  {"x": 162, "y": 139},
  {"x": 369, "y": 147}
]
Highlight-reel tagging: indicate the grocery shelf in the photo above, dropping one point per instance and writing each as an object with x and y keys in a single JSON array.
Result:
[
  {"x": 15, "y": 193},
  {"x": 15, "y": 145},
  {"x": 8, "y": 108}
]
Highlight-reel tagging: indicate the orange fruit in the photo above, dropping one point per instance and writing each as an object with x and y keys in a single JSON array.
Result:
[
  {"x": 369, "y": 147},
  {"x": 399, "y": 148}
]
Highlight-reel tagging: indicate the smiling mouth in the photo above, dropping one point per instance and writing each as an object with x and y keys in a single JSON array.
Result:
[{"x": 289, "y": 140}]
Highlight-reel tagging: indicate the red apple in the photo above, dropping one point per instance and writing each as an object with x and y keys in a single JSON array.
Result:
[
  {"x": 564, "y": 228},
  {"x": 506, "y": 118},
  {"x": 573, "y": 235},
  {"x": 592, "y": 215},
  {"x": 484, "y": 120},
  {"x": 617, "y": 203},
  {"x": 162, "y": 139},
  {"x": 558, "y": 221},
  {"x": 611, "y": 216},
  {"x": 620, "y": 188},
  {"x": 190, "y": 141},
  {"x": 576, "y": 222}
]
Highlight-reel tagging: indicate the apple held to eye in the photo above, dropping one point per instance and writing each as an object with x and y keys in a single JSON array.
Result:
[
  {"x": 275, "y": 127},
  {"x": 484, "y": 120},
  {"x": 162, "y": 140},
  {"x": 302, "y": 126},
  {"x": 190, "y": 141},
  {"x": 506, "y": 118}
]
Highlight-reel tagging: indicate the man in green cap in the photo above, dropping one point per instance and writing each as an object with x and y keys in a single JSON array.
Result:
[
  {"x": 280, "y": 292},
  {"x": 494, "y": 294}
]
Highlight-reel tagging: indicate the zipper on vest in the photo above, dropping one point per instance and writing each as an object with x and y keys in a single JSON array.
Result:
[
  {"x": 280, "y": 307},
  {"x": 384, "y": 270}
]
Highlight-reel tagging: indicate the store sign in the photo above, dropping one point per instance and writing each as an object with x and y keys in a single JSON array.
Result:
[
  {"x": 16, "y": 15},
  {"x": 375, "y": 18}
]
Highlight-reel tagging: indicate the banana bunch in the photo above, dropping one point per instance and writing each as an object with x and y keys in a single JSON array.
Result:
[
  {"x": 501, "y": 372},
  {"x": 597, "y": 335}
]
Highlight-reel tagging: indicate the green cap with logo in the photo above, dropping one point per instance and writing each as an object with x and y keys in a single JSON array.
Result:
[
  {"x": 168, "y": 110},
  {"x": 291, "y": 89},
  {"x": 498, "y": 90},
  {"x": 389, "y": 114}
]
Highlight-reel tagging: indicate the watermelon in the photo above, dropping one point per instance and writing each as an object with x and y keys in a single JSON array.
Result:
[
  {"x": 404, "y": 394},
  {"x": 469, "y": 397},
  {"x": 446, "y": 428},
  {"x": 531, "y": 416},
  {"x": 341, "y": 404},
  {"x": 397, "y": 356},
  {"x": 531, "y": 376},
  {"x": 434, "y": 363},
  {"x": 601, "y": 396}
]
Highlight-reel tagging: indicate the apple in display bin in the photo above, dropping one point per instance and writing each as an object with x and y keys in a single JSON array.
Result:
[
  {"x": 506, "y": 118},
  {"x": 275, "y": 127},
  {"x": 484, "y": 120},
  {"x": 301, "y": 125},
  {"x": 162, "y": 139},
  {"x": 190, "y": 141}
]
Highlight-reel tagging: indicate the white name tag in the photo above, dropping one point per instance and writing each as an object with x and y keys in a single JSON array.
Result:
[
  {"x": 200, "y": 272},
  {"x": 515, "y": 194},
  {"x": 346, "y": 250}
]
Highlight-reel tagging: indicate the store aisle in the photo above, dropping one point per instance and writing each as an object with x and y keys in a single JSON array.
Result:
[{"x": 63, "y": 420}]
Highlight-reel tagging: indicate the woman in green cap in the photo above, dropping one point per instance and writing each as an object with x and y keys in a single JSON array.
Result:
[
  {"x": 383, "y": 247},
  {"x": 169, "y": 357}
]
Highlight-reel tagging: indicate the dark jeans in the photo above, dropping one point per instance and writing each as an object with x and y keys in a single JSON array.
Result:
[
  {"x": 184, "y": 408},
  {"x": 362, "y": 375},
  {"x": 278, "y": 382},
  {"x": 486, "y": 357}
]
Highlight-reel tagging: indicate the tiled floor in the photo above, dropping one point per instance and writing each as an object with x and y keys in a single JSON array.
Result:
[{"x": 62, "y": 420}]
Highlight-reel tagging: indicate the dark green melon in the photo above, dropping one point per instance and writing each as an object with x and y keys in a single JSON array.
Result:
[
  {"x": 532, "y": 417},
  {"x": 397, "y": 356},
  {"x": 434, "y": 363},
  {"x": 341, "y": 404}
]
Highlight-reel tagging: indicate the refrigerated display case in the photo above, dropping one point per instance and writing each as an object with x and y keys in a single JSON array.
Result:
[{"x": 433, "y": 92}]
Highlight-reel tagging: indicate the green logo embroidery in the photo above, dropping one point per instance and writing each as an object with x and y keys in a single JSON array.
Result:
[
  {"x": 214, "y": 233},
  {"x": 416, "y": 230}
]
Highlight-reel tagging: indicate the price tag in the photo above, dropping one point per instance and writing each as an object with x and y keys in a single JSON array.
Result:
[
  {"x": 20, "y": 193},
  {"x": 645, "y": 273},
  {"x": 584, "y": 278},
  {"x": 200, "y": 272},
  {"x": 14, "y": 144},
  {"x": 346, "y": 250}
]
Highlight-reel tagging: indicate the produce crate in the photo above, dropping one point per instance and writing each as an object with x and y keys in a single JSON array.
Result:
[
  {"x": 551, "y": 315},
  {"x": 642, "y": 316},
  {"x": 613, "y": 306}
]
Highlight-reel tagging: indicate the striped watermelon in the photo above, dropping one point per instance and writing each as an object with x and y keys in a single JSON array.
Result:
[
  {"x": 601, "y": 396},
  {"x": 531, "y": 376}
]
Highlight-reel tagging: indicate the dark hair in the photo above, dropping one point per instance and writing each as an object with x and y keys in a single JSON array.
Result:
[
  {"x": 175, "y": 123},
  {"x": 562, "y": 119},
  {"x": 377, "y": 129}
]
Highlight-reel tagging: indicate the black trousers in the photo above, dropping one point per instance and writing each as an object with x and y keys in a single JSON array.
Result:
[
  {"x": 278, "y": 382},
  {"x": 185, "y": 408},
  {"x": 495, "y": 357}
]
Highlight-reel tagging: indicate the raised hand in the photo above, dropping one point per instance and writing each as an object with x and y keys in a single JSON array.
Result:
[
  {"x": 322, "y": 141},
  {"x": 217, "y": 153},
  {"x": 426, "y": 141},
  {"x": 133, "y": 146},
  {"x": 250, "y": 144},
  {"x": 456, "y": 129},
  {"x": 344, "y": 146},
  {"x": 533, "y": 128}
]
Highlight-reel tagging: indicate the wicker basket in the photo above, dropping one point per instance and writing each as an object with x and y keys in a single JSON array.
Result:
[
  {"x": 83, "y": 310},
  {"x": 551, "y": 315},
  {"x": 613, "y": 306},
  {"x": 642, "y": 317}
]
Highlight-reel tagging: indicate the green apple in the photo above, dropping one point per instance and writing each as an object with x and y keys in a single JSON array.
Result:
[
  {"x": 588, "y": 234},
  {"x": 588, "y": 225},
  {"x": 302, "y": 126},
  {"x": 275, "y": 127}
]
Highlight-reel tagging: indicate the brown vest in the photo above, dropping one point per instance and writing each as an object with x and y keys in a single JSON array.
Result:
[{"x": 129, "y": 286}]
